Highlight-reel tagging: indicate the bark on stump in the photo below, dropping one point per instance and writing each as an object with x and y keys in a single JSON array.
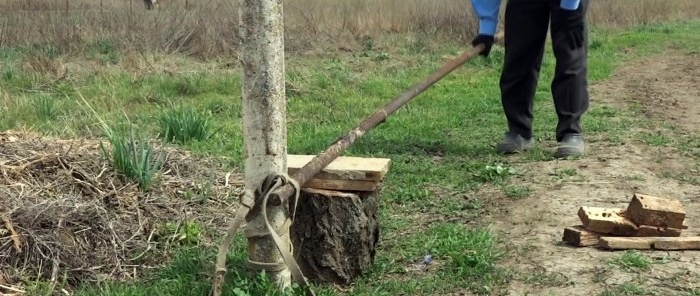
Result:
[{"x": 335, "y": 234}]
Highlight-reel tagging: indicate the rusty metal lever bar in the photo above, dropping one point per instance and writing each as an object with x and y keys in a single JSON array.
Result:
[{"x": 308, "y": 171}]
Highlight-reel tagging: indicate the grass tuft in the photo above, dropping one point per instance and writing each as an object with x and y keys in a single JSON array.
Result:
[
  {"x": 632, "y": 260},
  {"x": 626, "y": 289},
  {"x": 45, "y": 108},
  {"x": 518, "y": 192},
  {"x": 185, "y": 125},
  {"x": 132, "y": 156}
]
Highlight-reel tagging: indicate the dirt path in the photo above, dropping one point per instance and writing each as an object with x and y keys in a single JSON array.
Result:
[{"x": 667, "y": 89}]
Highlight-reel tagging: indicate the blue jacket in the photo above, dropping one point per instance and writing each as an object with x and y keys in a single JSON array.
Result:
[{"x": 487, "y": 11}]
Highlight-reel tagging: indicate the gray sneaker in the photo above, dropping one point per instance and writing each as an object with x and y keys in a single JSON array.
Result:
[
  {"x": 513, "y": 143},
  {"x": 570, "y": 145}
]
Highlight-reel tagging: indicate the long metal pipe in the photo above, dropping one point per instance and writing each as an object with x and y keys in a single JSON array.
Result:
[{"x": 308, "y": 171}]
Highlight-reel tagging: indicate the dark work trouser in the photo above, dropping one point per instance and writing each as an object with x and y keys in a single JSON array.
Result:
[{"x": 526, "y": 25}]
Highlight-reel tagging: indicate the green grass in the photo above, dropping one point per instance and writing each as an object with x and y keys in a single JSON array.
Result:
[
  {"x": 463, "y": 258},
  {"x": 627, "y": 289},
  {"x": 633, "y": 261},
  {"x": 185, "y": 125},
  {"x": 187, "y": 275},
  {"x": 517, "y": 192},
  {"x": 132, "y": 155},
  {"x": 441, "y": 145},
  {"x": 565, "y": 172},
  {"x": 547, "y": 279},
  {"x": 45, "y": 108}
]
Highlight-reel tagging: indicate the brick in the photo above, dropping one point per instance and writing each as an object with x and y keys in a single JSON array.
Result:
[
  {"x": 606, "y": 221},
  {"x": 655, "y": 211}
]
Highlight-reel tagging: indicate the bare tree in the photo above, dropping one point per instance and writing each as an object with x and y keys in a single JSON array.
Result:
[
  {"x": 265, "y": 134},
  {"x": 264, "y": 121}
]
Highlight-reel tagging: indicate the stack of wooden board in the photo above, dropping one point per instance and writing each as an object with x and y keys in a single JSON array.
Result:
[
  {"x": 345, "y": 173},
  {"x": 648, "y": 222}
]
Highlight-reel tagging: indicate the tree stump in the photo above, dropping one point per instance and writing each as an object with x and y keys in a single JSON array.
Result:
[{"x": 335, "y": 234}]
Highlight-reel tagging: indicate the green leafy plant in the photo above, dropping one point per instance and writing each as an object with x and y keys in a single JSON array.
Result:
[
  {"x": 495, "y": 173},
  {"x": 186, "y": 233}
]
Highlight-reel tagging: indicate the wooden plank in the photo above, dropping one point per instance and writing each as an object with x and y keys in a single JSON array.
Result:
[
  {"x": 342, "y": 185},
  {"x": 655, "y": 211},
  {"x": 344, "y": 167},
  {"x": 606, "y": 221},
  {"x": 578, "y": 236},
  {"x": 625, "y": 243},
  {"x": 646, "y": 230},
  {"x": 678, "y": 243},
  {"x": 647, "y": 243}
]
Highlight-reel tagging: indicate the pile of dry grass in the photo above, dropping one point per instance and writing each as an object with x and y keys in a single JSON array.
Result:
[{"x": 65, "y": 212}]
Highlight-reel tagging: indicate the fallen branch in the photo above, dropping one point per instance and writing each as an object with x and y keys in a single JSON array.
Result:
[
  {"x": 13, "y": 289},
  {"x": 22, "y": 167},
  {"x": 14, "y": 236}
]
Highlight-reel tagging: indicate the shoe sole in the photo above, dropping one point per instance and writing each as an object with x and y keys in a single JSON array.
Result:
[
  {"x": 568, "y": 152},
  {"x": 510, "y": 149}
]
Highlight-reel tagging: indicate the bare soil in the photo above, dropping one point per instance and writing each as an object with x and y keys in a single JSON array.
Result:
[{"x": 667, "y": 88}]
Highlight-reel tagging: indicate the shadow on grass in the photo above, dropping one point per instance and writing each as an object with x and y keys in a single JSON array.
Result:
[
  {"x": 437, "y": 146},
  {"x": 191, "y": 273}
]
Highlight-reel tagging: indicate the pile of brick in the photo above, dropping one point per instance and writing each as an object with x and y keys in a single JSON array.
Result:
[{"x": 648, "y": 222}]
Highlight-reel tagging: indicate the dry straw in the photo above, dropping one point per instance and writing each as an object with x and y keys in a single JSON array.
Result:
[
  {"x": 74, "y": 216},
  {"x": 209, "y": 29}
]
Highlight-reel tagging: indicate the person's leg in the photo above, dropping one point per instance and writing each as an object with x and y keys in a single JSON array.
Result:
[
  {"x": 526, "y": 24},
  {"x": 570, "y": 84}
]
